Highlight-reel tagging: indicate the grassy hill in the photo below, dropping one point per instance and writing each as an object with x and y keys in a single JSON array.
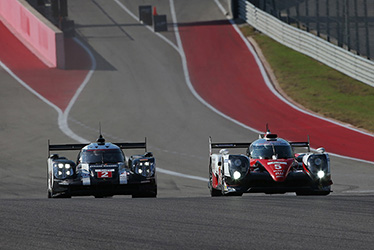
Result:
[{"x": 316, "y": 86}]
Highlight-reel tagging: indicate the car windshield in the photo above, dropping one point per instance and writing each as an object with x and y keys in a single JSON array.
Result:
[
  {"x": 266, "y": 151},
  {"x": 102, "y": 156}
]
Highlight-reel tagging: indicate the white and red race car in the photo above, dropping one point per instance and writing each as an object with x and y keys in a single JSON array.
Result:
[{"x": 269, "y": 166}]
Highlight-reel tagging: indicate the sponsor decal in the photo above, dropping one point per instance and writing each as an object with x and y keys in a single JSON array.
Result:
[
  {"x": 278, "y": 169},
  {"x": 278, "y": 173},
  {"x": 277, "y": 162},
  {"x": 123, "y": 178},
  {"x": 105, "y": 165},
  {"x": 104, "y": 173},
  {"x": 86, "y": 181}
]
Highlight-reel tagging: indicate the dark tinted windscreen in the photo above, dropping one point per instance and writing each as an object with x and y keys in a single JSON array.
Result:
[
  {"x": 102, "y": 156},
  {"x": 268, "y": 150}
]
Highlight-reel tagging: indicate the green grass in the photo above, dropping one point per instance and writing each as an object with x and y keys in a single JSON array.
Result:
[{"x": 317, "y": 86}]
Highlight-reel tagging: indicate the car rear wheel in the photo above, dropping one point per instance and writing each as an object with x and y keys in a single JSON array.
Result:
[
  {"x": 53, "y": 194},
  {"x": 213, "y": 192}
]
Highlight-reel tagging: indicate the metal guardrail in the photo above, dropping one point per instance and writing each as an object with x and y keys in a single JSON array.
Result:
[{"x": 321, "y": 50}]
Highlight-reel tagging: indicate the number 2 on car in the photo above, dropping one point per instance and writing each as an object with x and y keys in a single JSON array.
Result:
[{"x": 104, "y": 174}]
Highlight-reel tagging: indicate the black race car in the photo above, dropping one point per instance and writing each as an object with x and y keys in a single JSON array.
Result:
[{"x": 101, "y": 170}]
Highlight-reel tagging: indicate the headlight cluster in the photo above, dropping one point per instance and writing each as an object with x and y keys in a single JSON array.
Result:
[
  {"x": 318, "y": 165},
  {"x": 144, "y": 168},
  {"x": 238, "y": 166},
  {"x": 63, "y": 170}
]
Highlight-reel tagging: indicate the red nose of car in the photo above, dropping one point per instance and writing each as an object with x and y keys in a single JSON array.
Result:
[{"x": 278, "y": 169}]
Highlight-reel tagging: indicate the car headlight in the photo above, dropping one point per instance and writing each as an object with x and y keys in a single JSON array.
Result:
[
  {"x": 321, "y": 174},
  {"x": 62, "y": 170},
  {"x": 145, "y": 169},
  {"x": 238, "y": 166},
  {"x": 237, "y": 175},
  {"x": 318, "y": 165}
]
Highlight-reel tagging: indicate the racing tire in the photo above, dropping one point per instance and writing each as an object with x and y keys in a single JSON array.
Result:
[
  {"x": 213, "y": 192},
  {"x": 152, "y": 193},
  {"x": 51, "y": 195},
  {"x": 49, "y": 185},
  {"x": 145, "y": 195}
]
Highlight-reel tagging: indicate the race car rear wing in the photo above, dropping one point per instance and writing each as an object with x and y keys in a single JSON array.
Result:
[
  {"x": 247, "y": 144},
  {"x": 132, "y": 145},
  {"x": 122, "y": 145},
  {"x": 227, "y": 145}
]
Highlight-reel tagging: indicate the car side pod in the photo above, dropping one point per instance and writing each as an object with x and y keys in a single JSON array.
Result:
[{"x": 220, "y": 172}]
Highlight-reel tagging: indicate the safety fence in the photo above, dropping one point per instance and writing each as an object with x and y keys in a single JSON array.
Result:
[
  {"x": 311, "y": 45},
  {"x": 346, "y": 23}
]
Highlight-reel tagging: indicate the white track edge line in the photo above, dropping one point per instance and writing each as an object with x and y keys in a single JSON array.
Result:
[
  {"x": 10, "y": 72},
  {"x": 187, "y": 77}
]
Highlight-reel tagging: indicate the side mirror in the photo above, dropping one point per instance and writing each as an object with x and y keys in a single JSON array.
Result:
[
  {"x": 248, "y": 152},
  {"x": 54, "y": 156},
  {"x": 321, "y": 150},
  {"x": 148, "y": 154},
  {"x": 224, "y": 151}
]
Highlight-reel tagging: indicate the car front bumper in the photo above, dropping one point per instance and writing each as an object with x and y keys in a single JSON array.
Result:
[
  {"x": 108, "y": 188},
  {"x": 262, "y": 182}
]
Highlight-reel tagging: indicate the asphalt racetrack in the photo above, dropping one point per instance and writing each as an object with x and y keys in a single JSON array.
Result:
[{"x": 137, "y": 87}]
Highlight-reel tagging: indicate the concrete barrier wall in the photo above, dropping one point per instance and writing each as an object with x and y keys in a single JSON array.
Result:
[{"x": 34, "y": 31}]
